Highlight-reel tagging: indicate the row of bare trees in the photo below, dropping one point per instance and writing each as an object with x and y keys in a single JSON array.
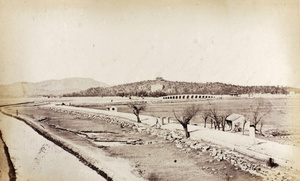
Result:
[
  {"x": 218, "y": 120},
  {"x": 217, "y": 117}
]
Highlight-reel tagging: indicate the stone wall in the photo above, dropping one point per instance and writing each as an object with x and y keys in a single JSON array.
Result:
[{"x": 240, "y": 161}]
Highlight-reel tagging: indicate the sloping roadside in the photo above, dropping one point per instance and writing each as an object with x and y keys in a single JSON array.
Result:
[
  {"x": 84, "y": 156},
  {"x": 259, "y": 152},
  {"x": 87, "y": 113},
  {"x": 15, "y": 104},
  {"x": 263, "y": 150},
  {"x": 60, "y": 144},
  {"x": 8, "y": 163}
]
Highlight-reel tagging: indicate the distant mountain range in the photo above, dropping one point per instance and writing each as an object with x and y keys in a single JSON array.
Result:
[
  {"x": 48, "y": 87},
  {"x": 80, "y": 87},
  {"x": 161, "y": 87}
]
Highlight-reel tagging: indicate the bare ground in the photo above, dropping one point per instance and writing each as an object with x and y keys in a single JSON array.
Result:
[{"x": 160, "y": 160}]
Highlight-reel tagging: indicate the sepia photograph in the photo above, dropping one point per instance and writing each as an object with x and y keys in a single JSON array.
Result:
[{"x": 166, "y": 90}]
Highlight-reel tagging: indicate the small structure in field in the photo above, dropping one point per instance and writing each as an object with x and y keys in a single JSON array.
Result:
[
  {"x": 112, "y": 108},
  {"x": 235, "y": 94},
  {"x": 237, "y": 121},
  {"x": 292, "y": 93},
  {"x": 166, "y": 120}
]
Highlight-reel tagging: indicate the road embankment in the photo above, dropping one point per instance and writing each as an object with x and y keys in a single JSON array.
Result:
[
  {"x": 59, "y": 143},
  {"x": 7, "y": 164},
  {"x": 94, "y": 163}
]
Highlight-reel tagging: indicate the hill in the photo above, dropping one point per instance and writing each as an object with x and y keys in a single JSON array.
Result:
[
  {"x": 161, "y": 87},
  {"x": 48, "y": 87}
]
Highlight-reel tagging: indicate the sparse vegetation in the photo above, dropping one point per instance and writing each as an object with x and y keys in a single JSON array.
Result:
[
  {"x": 143, "y": 89},
  {"x": 223, "y": 118},
  {"x": 137, "y": 108},
  {"x": 259, "y": 110},
  {"x": 215, "y": 117},
  {"x": 218, "y": 118},
  {"x": 186, "y": 116},
  {"x": 205, "y": 116},
  {"x": 221, "y": 107}
]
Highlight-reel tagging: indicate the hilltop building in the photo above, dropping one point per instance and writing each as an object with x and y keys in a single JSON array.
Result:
[
  {"x": 156, "y": 87},
  {"x": 159, "y": 79}
]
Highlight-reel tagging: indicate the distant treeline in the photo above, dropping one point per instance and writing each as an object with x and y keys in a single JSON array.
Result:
[{"x": 143, "y": 89}]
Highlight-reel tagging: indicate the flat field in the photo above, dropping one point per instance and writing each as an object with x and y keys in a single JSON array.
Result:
[
  {"x": 281, "y": 122},
  {"x": 154, "y": 159},
  {"x": 161, "y": 160},
  {"x": 282, "y": 118}
]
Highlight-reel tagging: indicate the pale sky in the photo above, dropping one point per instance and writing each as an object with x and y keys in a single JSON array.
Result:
[{"x": 232, "y": 41}]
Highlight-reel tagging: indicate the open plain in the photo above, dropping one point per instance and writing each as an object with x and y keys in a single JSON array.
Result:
[{"x": 114, "y": 146}]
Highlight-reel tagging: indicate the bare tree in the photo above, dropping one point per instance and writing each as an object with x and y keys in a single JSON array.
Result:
[
  {"x": 213, "y": 114},
  {"x": 137, "y": 109},
  {"x": 219, "y": 119},
  {"x": 222, "y": 119},
  {"x": 244, "y": 124},
  {"x": 260, "y": 129},
  {"x": 186, "y": 116},
  {"x": 205, "y": 116},
  {"x": 259, "y": 111},
  {"x": 216, "y": 119}
]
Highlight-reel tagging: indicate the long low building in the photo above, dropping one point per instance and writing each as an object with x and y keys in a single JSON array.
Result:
[{"x": 189, "y": 96}]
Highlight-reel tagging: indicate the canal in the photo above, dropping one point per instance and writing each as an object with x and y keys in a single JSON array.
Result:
[{"x": 36, "y": 158}]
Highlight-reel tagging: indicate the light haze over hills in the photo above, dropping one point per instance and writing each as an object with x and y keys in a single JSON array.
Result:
[
  {"x": 48, "y": 87},
  {"x": 158, "y": 87}
]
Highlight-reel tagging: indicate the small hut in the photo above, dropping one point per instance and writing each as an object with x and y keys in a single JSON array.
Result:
[
  {"x": 236, "y": 122},
  {"x": 234, "y": 94}
]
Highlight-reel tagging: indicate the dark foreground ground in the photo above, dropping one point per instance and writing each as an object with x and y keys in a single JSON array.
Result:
[{"x": 7, "y": 169}]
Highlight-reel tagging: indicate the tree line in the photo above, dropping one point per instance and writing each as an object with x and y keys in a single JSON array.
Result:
[
  {"x": 258, "y": 111},
  {"x": 143, "y": 89}
]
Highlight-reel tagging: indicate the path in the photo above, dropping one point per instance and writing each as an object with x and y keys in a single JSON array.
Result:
[{"x": 286, "y": 155}]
